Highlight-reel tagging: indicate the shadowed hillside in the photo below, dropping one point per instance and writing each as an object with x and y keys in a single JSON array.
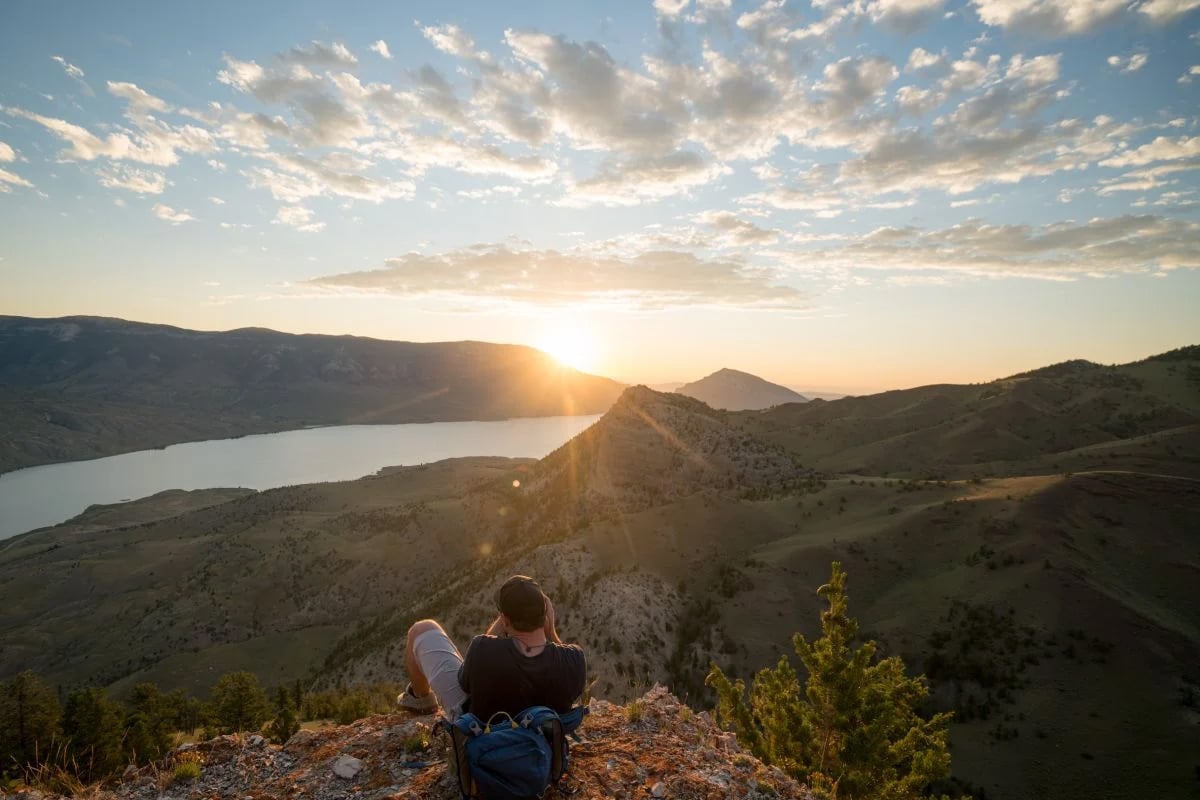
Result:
[
  {"x": 1040, "y": 420},
  {"x": 1043, "y": 574},
  {"x": 738, "y": 391},
  {"x": 82, "y": 387}
]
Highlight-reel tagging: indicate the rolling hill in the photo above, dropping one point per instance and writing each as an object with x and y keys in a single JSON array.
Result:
[
  {"x": 1041, "y": 573},
  {"x": 739, "y": 391},
  {"x": 83, "y": 387}
]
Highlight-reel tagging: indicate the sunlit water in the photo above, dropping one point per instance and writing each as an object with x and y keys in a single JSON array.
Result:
[{"x": 39, "y": 496}]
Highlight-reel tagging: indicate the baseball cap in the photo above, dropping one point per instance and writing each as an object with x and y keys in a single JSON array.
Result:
[{"x": 520, "y": 599}]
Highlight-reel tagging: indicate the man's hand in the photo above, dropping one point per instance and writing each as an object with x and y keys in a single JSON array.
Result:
[
  {"x": 497, "y": 628},
  {"x": 551, "y": 633}
]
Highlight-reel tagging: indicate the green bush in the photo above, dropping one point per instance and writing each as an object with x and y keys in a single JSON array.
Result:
[
  {"x": 239, "y": 703},
  {"x": 851, "y": 728}
]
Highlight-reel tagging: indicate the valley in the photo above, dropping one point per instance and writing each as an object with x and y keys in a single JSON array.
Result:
[{"x": 1032, "y": 544}]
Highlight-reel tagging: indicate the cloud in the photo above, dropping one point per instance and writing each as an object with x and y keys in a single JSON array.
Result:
[
  {"x": 437, "y": 96},
  {"x": 917, "y": 102},
  {"x": 737, "y": 232},
  {"x": 670, "y": 8},
  {"x": 298, "y": 177},
  {"x": 1131, "y": 64},
  {"x": 1190, "y": 75},
  {"x": 903, "y": 15},
  {"x": 851, "y": 83},
  {"x": 10, "y": 179},
  {"x": 317, "y": 54},
  {"x": 424, "y": 152},
  {"x": 381, "y": 47},
  {"x": 1059, "y": 251},
  {"x": 1164, "y": 11},
  {"x": 71, "y": 70},
  {"x": 75, "y": 74},
  {"x": 584, "y": 94},
  {"x": 171, "y": 215},
  {"x": 450, "y": 39},
  {"x": 326, "y": 120},
  {"x": 139, "y": 100},
  {"x": 491, "y": 274},
  {"x": 921, "y": 59},
  {"x": 297, "y": 217},
  {"x": 133, "y": 179},
  {"x": 119, "y": 146},
  {"x": 7, "y": 153},
  {"x": 1049, "y": 17},
  {"x": 627, "y": 182},
  {"x": 1163, "y": 148}
]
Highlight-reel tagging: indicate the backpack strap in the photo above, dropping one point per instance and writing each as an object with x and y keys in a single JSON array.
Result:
[
  {"x": 466, "y": 727},
  {"x": 571, "y": 720}
]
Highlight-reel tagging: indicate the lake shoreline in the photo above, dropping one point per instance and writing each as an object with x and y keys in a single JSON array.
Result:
[
  {"x": 43, "y": 496},
  {"x": 269, "y": 430}
]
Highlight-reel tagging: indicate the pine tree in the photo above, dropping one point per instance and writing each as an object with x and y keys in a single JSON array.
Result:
[
  {"x": 850, "y": 730},
  {"x": 29, "y": 715},
  {"x": 239, "y": 703},
  {"x": 149, "y": 725},
  {"x": 285, "y": 723},
  {"x": 94, "y": 727}
]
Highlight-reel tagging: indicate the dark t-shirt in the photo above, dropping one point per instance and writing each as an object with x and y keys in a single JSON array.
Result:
[{"x": 499, "y": 678}]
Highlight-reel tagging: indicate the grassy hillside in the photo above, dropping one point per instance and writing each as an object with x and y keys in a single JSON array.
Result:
[
  {"x": 1026, "y": 423},
  {"x": 1042, "y": 573},
  {"x": 82, "y": 387}
]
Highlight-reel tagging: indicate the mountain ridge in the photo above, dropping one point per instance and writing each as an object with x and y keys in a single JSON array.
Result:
[{"x": 85, "y": 387}]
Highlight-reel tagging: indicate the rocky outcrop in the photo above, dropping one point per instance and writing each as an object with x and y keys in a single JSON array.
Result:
[{"x": 653, "y": 747}]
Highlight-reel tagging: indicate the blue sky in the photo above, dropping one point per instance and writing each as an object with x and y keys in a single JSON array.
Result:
[{"x": 842, "y": 195}]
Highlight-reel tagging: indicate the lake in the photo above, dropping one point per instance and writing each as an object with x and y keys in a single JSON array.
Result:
[{"x": 40, "y": 496}]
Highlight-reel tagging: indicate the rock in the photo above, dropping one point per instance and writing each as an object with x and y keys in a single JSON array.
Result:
[
  {"x": 347, "y": 767},
  {"x": 659, "y": 790},
  {"x": 257, "y": 741}
]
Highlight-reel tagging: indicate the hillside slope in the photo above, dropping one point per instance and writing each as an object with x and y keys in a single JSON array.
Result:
[
  {"x": 1026, "y": 423},
  {"x": 732, "y": 390},
  {"x": 83, "y": 387}
]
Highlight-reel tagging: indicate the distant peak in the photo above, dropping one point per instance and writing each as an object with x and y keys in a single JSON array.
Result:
[{"x": 735, "y": 390}]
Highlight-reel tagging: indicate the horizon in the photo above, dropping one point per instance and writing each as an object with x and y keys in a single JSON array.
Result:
[
  {"x": 651, "y": 383},
  {"x": 837, "y": 197}
]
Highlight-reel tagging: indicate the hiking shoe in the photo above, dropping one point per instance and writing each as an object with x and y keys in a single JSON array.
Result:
[{"x": 425, "y": 704}]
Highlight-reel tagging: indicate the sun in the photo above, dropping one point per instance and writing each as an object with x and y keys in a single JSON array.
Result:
[{"x": 571, "y": 346}]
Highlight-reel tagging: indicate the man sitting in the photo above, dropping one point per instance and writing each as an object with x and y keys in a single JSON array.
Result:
[{"x": 520, "y": 661}]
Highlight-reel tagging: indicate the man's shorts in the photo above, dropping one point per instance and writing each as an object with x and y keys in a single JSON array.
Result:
[{"x": 440, "y": 660}]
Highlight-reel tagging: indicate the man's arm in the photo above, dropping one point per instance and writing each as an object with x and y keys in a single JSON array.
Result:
[
  {"x": 497, "y": 628},
  {"x": 551, "y": 633},
  {"x": 464, "y": 673}
]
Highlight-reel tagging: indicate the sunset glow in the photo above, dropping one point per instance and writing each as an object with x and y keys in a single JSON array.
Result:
[
  {"x": 572, "y": 347},
  {"x": 840, "y": 196}
]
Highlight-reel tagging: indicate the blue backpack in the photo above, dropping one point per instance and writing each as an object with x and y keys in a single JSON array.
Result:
[{"x": 510, "y": 758}]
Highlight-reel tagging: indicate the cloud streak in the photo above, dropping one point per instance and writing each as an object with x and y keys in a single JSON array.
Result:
[{"x": 489, "y": 274}]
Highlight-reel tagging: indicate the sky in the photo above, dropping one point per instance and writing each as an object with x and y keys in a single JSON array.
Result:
[{"x": 839, "y": 195}]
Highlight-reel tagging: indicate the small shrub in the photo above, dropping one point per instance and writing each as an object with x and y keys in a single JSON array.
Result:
[
  {"x": 634, "y": 711},
  {"x": 416, "y": 743},
  {"x": 188, "y": 767}
]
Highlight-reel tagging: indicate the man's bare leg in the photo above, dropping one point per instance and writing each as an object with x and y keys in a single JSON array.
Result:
[{"x": 416, "y": 678}]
